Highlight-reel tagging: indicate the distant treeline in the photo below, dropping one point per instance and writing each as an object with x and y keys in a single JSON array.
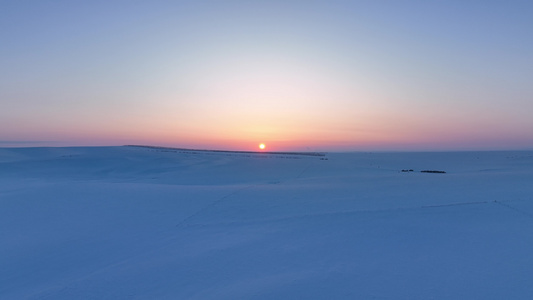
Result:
[{"x": 229, "y": 151}]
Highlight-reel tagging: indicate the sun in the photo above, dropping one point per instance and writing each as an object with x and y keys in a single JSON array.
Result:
[{"x": 262, "y": 146}]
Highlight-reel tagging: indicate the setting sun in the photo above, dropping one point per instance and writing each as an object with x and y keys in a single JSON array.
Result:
[{"x": 262, "y": 146}]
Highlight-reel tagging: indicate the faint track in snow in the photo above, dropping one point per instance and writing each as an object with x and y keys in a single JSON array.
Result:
[
  {"x": 303, "y": 171},
  {"x": 454, "y": 204},
  {"x": 331, "y": 213},
  {"x": 215, "y": 202},
  {"x": 513, "y": 208},
  {"x": 219, "y": 200}
]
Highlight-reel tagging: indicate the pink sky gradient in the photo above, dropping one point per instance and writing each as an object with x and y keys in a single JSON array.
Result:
[{"x": 332, "y": 76}]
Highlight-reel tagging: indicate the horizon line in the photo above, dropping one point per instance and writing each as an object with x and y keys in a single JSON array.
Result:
[{"x": 231, "y": 151}]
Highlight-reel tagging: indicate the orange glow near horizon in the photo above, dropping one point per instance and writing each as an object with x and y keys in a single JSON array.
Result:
[
  {"x": 325, "y": 133},
  {"x": 262, "y": 146},
  {"x": 229, "y": 79}
]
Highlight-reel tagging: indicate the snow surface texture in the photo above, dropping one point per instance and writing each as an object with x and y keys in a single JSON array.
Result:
[{"x": 140, "y": 223}]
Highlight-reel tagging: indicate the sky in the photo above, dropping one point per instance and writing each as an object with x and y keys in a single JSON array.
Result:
[{"x": 295, "y": 75}]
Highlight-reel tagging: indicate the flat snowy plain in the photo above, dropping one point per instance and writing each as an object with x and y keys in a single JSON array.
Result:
[{"x": 141, "y": 223}]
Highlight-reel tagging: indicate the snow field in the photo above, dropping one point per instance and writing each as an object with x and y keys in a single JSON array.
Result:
[{"x": 138, "y": 223}]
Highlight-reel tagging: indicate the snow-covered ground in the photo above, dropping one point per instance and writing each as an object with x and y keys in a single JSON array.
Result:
[{"x": 141, "y": 223}]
